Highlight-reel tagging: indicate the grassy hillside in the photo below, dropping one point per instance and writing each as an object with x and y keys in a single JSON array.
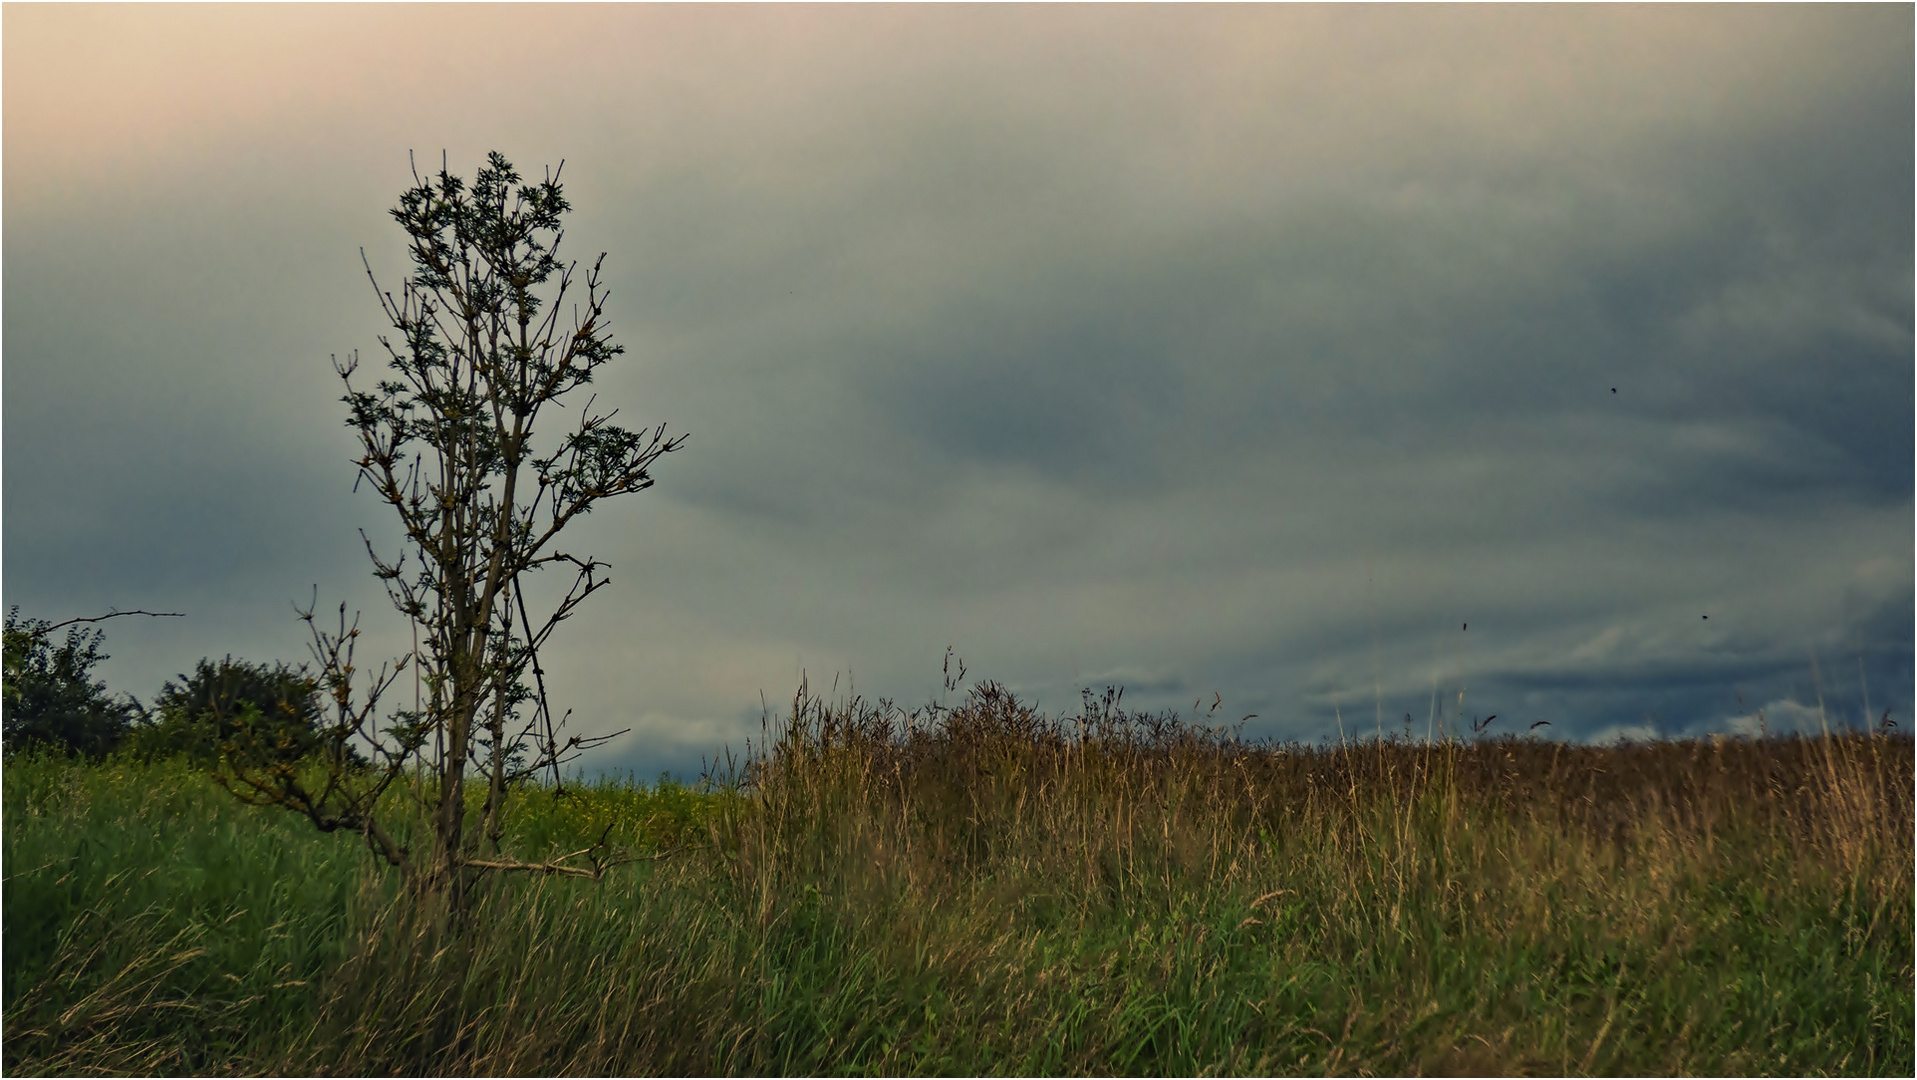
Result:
[{"x": 987, "y": 890}]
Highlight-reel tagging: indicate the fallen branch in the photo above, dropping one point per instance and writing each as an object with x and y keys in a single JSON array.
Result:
[{"x": 558, "y": 866}]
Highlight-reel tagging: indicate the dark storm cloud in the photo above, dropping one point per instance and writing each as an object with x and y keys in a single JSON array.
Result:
[{"x": 1252, "y": 351}]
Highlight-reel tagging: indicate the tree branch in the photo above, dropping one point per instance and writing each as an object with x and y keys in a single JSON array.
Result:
[{"x": 111, "y": 615}]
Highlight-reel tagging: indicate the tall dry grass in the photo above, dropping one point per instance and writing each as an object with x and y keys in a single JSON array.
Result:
[{"x": 987, "y": 889}]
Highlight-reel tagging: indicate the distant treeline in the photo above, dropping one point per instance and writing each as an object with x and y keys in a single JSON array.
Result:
[{"x": 53, "y": 702}]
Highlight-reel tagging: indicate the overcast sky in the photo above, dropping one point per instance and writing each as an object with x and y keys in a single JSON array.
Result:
[{"x": 1254, "y": 351}]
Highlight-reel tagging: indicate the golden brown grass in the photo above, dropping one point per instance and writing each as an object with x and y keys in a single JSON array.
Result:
[{"x": 987, "y": 889}]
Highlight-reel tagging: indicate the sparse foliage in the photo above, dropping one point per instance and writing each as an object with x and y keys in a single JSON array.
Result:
[{"x": 485, "y": 340}]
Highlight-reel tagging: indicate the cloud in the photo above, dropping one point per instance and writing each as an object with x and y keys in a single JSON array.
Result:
[{"x": 1249, "y": 350}]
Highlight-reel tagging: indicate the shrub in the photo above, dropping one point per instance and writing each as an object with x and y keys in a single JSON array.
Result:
[
  {"x": 50, "y": 698},
  {"x": 274, "y": 706}
]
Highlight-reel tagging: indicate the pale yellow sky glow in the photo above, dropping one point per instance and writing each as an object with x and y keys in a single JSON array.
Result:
[{"x": 1212, "y": 97}]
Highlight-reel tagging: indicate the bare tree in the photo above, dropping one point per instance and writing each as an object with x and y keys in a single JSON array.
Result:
[{"x": 485, "y": 340}]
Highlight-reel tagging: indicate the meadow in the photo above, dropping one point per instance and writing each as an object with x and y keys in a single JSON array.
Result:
[{"x": 988, "y": 890}]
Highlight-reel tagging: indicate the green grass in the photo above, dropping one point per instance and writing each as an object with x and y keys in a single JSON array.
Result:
[{"x": 999, "y": 892}]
